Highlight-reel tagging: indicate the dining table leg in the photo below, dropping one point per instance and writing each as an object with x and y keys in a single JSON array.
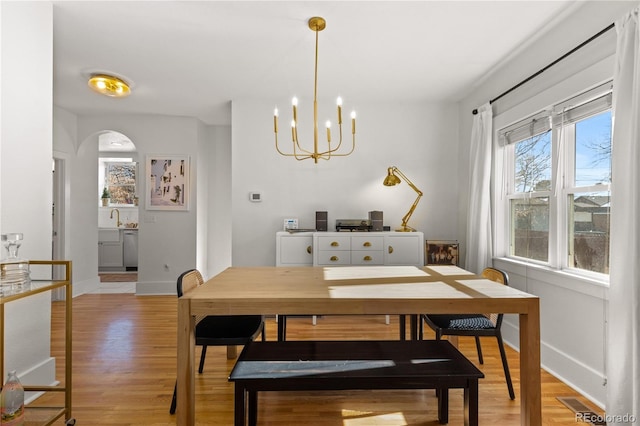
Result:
[
  {"x": 186, "y": 406},
  {"x": 530, "y": 384}
]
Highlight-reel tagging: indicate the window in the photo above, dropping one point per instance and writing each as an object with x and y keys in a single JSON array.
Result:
[
  {"x": 586, "y": 131},
  {"x": 557, "y": 183},
  {"x": 121, "y": 182},
  {"x": 118, "y": 175},
  {"x": 529, "y": 144}
]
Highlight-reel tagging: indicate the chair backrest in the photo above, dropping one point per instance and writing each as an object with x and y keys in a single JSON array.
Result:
[
  {"x": 496, "y": 275},
  {"x": 501, "y": 277},
  {"x": 189, "y": 280}
]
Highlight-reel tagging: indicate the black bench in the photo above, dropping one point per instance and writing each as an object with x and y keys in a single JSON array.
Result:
[{"x": 342, "y": 365}]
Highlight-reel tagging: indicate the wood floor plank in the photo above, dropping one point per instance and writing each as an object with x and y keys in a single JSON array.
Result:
[{"x": 124, "y": 356}]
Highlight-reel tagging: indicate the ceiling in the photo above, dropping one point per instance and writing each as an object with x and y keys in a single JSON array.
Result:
[{"x": 192, "y": 58}]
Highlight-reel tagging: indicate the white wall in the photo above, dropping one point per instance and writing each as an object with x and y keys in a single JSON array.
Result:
[
  {"x": 219, "y": 215},
  {"x": 64, "y": 136},
  {"x": 573, "y": 309},
  {"x": 420, "y": 139},
  {"x": 25, "y": 174},
  {"x": 166, "y": 239}
]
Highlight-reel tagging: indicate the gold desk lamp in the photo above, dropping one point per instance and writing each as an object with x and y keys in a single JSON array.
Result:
[{"x": 393, "y": 179}]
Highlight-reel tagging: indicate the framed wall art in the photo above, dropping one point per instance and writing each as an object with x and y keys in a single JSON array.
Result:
[
  {"x": 167, "y": 182},
  {"x": 442, "y": 252}
]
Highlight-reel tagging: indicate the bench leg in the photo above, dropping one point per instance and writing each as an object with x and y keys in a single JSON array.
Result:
[
  {"x": 282, "y": 328},
  {"x": 443, "y": 405},
  {"x": 471, "y": 403},
  {"x": 402, "y": 326},
  {"x": 239, "y": 406},
  {"x": 253, "y": 407}
]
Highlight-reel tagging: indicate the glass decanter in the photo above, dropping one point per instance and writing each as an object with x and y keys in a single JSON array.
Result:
[{"x": 14, "y": 271}]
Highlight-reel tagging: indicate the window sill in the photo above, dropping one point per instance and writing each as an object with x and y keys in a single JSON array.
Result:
[{"x": 564, "y": 278}]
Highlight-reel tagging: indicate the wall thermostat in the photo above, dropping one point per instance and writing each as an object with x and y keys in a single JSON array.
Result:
[{"x": 256, "y": 197}]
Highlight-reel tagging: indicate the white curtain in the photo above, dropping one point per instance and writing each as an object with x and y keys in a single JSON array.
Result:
[
  {"x": 479, "y": 237},
  {"x": 623, "y": 356}
]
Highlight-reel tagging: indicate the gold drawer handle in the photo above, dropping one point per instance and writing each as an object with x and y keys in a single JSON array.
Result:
[
  {"x": 334, "y": 258},
  {"x": 335, "y": 244},
  {"x": 309, "y": 249},
  {"x": 390, "y": 249},
  {"x": 367, "y": 259},
  {"x": 367, "y": 244}
]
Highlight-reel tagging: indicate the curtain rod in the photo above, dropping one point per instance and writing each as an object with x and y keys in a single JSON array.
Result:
[{"x": 537, "y": 73}]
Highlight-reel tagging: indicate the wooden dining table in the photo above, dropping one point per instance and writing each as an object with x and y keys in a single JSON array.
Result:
[{"x": 384, "y": 290}]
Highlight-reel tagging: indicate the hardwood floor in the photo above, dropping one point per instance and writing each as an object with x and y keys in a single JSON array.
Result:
[{"x": 124, "y": 361}]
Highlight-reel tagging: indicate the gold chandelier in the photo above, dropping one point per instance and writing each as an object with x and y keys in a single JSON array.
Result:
[{"x": 316, "y": 24}]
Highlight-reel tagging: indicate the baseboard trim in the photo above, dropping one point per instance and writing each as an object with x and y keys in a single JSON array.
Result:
[
  {"x": 572, "y": 372},
  {"x": 155, "y": 288},
  {"x": 85, "y": 286},
  {"x": 45, "y": 372}
]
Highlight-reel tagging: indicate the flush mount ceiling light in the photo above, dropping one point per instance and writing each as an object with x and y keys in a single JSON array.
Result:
[
  {"x": 109, "y": 85},
  {"x": 316, "y": 24}
]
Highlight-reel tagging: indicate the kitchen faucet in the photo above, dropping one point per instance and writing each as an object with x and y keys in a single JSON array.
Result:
[{"x": 118, "y": 223}]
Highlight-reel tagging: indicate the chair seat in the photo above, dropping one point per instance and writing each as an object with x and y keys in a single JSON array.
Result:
[
  {"x": 228, "y": 327},
  {"x": 217, "y": 330},
  {"x": 476, "y": 325},
  {"x": 462, "y": 322}
]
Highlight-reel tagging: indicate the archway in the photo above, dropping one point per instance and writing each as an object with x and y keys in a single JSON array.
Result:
[{"x": 118, "y": 171}]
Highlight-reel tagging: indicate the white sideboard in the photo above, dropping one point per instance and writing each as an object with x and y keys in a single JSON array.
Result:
[
  {"x": 294, "y": 249},
  {"x": 349, "y": 248}
]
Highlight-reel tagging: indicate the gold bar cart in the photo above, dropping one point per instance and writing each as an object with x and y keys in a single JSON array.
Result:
[{"x": 36, "y": 414}]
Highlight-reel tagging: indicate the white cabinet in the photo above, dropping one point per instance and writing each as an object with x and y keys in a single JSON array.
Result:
[
  {"x": 110, "y": 249},
  {"x": 294, "y": 249},
  {"x": 341, "y": 248},
  {"x": 368, "y": 248},
  {"x": 349, "y": 248},
  {"x": 404, "y": 248},
  {"x": 332, "y": 249}
]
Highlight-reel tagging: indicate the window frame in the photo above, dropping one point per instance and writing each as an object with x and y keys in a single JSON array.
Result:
[
  {"x": 104, "y": 163},
  {"x": 558, "y": 196}
]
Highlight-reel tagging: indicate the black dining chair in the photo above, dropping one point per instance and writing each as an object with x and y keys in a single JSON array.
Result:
[
  {"x": 476, "y": 325},
  {"x": 217, "y": 330}
]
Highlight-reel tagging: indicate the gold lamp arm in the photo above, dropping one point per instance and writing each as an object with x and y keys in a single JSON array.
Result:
[{"x": 406, "y": 217}]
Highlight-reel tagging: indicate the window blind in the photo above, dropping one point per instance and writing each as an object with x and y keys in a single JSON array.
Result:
[
  {"x": 584, "y": 105},
  {"x": 527, "y": 128}
]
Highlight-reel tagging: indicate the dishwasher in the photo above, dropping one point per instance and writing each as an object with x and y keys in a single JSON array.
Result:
[{"x": 130, "y": 249}]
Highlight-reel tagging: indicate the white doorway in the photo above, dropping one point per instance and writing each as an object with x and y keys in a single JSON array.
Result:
[{"x": 59, "y": 211}]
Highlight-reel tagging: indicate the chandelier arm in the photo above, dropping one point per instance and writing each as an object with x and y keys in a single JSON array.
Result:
[
  {"x": 330, "y": 152},
  {"x": 339, "y": 139},
  {"x": 279, "y": 150},
  {"x": 308, "y": 154},
  {"x": 344, "y": 154},
  {"x": 296, "y": 155}
]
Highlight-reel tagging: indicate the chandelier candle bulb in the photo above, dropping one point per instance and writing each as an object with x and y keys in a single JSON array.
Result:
[
  {"x": 293, "y": 130},
  {"x": 353, "y": 122},
  {"x": 275, "y": 120},
  {"x": 328, "y": 131},
  {"x": 339, "y": 102},
  {"x": 294, "y": 104}
]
